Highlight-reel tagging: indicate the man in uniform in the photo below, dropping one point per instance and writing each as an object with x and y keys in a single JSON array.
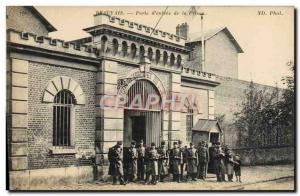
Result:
[
  {"x": 192, "y": 162},
  {"x": 203, "y": 157},
  {"x": 163, "y": 161},
  {"x": 152, "y": 164},
  {"x": 132, "y": 162},
  {"x": 183, "y": 150},
  {"x": 176, "y": 159},
  {"x": 115, "y": 158},
  {"x": 219, "y": 162},
  {"x": 141, "y": 161}
]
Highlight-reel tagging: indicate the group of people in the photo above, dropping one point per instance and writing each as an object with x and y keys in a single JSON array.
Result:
[
  {"x": 140, "y": 163},
  {"x": 225, "y": 162}
]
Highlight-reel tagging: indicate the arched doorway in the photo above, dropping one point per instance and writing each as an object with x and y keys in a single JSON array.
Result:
[{"x": 142, "y": 113}]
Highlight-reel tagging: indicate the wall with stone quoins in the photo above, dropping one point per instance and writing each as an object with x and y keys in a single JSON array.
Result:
[{"x": 40, "y": 116}]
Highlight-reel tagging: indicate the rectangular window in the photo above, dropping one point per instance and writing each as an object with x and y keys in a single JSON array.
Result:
[
  {"x": 62, "y": 112},
  {"x": 61, "y": 126}
]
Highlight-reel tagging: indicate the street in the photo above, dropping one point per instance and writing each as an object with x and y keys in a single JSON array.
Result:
[{"x": 279, "y": 177}]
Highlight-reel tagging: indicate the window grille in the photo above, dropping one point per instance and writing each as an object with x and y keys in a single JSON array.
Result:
[{"x": 62, "y": 117}]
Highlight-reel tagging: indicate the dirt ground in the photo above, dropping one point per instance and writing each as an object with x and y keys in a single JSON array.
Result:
[{"x": 280, "y": 177}]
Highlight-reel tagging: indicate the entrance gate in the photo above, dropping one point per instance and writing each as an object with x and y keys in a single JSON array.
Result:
[{"x": 142, "y": 120}]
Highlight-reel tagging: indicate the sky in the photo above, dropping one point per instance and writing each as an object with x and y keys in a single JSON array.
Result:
[{"x": 267, "y": 39}]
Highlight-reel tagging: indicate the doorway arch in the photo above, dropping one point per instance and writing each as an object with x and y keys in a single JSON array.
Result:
[{"x": 143, "y": 113}]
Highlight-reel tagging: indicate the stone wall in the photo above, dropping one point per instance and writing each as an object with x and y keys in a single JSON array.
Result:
[
  {"x": 228, "y": 98},
  {"x": 229, "y": 95},
  {"x": 266, "y": 156}
]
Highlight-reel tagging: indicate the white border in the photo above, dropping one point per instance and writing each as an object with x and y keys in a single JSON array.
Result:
[{"x": 4, "y": 3}]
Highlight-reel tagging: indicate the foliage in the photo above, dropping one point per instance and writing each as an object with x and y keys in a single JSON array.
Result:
[{"x": 265, "y": 117}]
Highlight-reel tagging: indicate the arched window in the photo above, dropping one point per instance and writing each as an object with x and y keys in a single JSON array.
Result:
[
  {"x": 124, "y": 49},
  {"x": 115, "y": 47},
  {"x": 178, "y": 60},
  {"x": 165, "y": 58},
  {"x": 172, "y": 59},
  {"x": 62, "y": 118},
  {"x": 103, "y": 43},
  {"x": 189, "y": 123},
  {"x": 132, "y": 51},
  {"x": 142, "y": 53},
  {"x": 157, "y": 56},
  {"x": 150, "y": 54}
]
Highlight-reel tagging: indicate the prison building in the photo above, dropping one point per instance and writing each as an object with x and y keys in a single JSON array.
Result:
[{"x": 63, "y": 97}]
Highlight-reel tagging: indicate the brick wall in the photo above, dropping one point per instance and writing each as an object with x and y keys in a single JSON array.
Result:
[
  {"x": 20, "y": 18},
  {"x": 40, "y": 116}
]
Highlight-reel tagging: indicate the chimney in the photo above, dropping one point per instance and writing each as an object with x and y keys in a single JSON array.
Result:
[{"x": 182, "y": 30}]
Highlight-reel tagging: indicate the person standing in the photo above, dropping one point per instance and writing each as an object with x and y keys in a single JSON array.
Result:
[
  {"x": 141, "y": 161},
  {"x": 203, "y": 157},
  {"x": 192, "y": 162},
  {"x": 115, "y": 158},
  {"x": 163, "y": 161},
  {"x": 237, "y": 167},
  {"x": 219, "y": 162},
  {"x": 226, "y": 158},
  {"x": 176, "y": 160},
  {"x": 152, "y": 156},
  {"x": 229, "y": 166},
  {"x": 183, "y": 150},
  {"x": 132, "y": 162}
]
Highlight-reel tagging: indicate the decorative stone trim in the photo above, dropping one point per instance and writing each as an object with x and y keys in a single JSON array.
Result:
[
  {"x": 62, "y": 150},
  {"x": 30, "y": 39},
  {"x": 17, "y": 80},
  {"x": 192, "y": 73},
  {"x": 63, "y": 83},
  {"x": 104, "y": 19}
]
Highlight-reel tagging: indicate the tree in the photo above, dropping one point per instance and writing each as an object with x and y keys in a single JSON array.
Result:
[
  {"x": 286, "y": 106},
  {"x": 264, "y": 116},
  {"x": 255, "y": 119}
]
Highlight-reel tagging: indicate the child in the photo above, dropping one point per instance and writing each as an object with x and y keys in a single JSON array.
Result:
[{"x": 237, "y": 167}]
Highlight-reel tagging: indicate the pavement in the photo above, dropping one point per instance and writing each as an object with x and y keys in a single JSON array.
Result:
[{"x": 279, "y": 177}]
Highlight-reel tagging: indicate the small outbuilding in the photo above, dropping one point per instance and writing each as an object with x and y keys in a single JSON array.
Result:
[{"x": 207, "y": 130}]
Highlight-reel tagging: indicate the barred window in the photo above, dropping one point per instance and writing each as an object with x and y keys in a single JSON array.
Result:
[
  {"x": 62, "y": 116},
  {"x": 189, "y": 124}
]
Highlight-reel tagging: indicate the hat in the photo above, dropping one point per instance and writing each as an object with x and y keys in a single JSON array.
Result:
[
  {"x": 218, "y": 143},
  {"x": 175, "y": 143},
  {"x": 191, "y": 143},
  {"x": 179, "y": 142},
  {"x": 142, "y": 141},
  {"x": 119, "y": 143},
  {"x": 152, "y": 144},
  {"x": 133, "y": 143},
  {"x": 163, "y": 143}
]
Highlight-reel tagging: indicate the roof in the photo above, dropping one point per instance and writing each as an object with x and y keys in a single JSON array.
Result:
[
  {"x": 196, "y": 37},
  {"x": 206, "y": 125},
  {"x": 47, "y": 24}
]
